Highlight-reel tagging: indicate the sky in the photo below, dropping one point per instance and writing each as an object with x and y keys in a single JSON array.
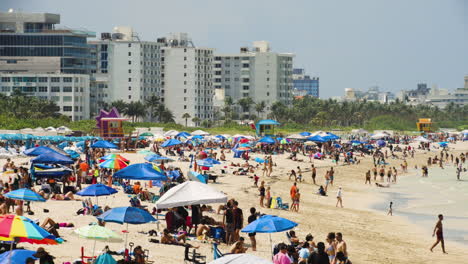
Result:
[{"x": 393, "y": 44}]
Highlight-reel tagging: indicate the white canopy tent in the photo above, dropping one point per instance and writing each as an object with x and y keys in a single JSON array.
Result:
[
  {"x": 296, "y": 136},
  {"x": 422, "y": 139},
  {"x": 190, "y": 193},
  {"x": 240, "y": 259},
  {"x": 171, "y": 133},
  {"x": 199, "y": 133},
  {"x": 379, "y": 136}
]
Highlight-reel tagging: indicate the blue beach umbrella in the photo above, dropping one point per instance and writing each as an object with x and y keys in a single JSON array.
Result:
[
  {"x": 205, "y": 163},
  {"x": 140, "y": 171},
  {"x": 104, "y": 144},
  {"x": 25, "y": 195},
  {"x": 215, "y": 162},
  {"x": 17, "y": 256},
  {"x": 156, "y": 158},
  {"x": 267, "y": 140},
  {"x": 317, "y": 138},
  {"x": 97, "y": 190},
  {"x": 381, "y": 143},
  {"x": 305, "y": 134},
  {"x": 269, "y": 224},
  {"x": 183, "y": 134},
  {"x": 259, "y": 160},
  {"x": 170, "y": 143}
]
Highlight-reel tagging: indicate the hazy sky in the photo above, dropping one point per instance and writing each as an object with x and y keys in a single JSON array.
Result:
[{"x": 360, "y": 43}]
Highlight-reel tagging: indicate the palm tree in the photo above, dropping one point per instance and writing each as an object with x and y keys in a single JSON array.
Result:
[
  {"x": 260, "y": 107},
  {"x": 186, "y": 116},
  {"x": 167, "y": 116},
  {"x": 120, "y": 105},
  {"x": 196, "y": 120},
  {"x": 245, "y": 103},
  {"x": 227, "y": 109},
  {"x": 152, "y": 102},
  {"x": 135, "y": 110}
]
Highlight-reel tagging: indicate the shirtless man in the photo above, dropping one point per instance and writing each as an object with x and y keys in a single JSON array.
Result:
[
  {"x": 438, "y": 230},
  {"x": 341, "y": 244},
  {"x": 368, "y": 177},
  {"x": 314, "y": 173}
]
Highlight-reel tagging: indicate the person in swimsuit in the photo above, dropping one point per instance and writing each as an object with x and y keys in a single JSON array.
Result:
[
  {"x": 438, "y": 230},
  {"x": 339, "y": 197},
  {"x": 261, "y": 189},
  {"x": 390, "y": 209},
  {"x": 341, "y": 244},
  {"x": 331, "y": 246},
  {"x": 314, "y": 173},
  {"x": 368, "y": 177}
]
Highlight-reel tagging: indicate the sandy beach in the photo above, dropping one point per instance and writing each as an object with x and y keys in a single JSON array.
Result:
[{"x": 371, "y": 235}]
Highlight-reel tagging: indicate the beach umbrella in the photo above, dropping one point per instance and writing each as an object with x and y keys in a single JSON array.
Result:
[
  {"x": 25, "y": 195},
  {"x": 115, "y": 164},
  {"x": 215, "y": 162},
  {"x": 17, "y": 256},
  {"x": 97, "y": 190},
  {"x": 147, "y": 134},
  {"x": 73, "y": 154},
  {"x": 183, "y": 134},
  {"x": 104, "y": 144},
  {"x": 156, "y": 158},
  {"x": 97, "y": 232},
  {"x": 243, "y": 140},
  {"x": 240, "y": 259},
  {"x": 317, "y": 138},
  {"x": 220, "y": 137},
  {"x": 337, "y": 146},
  {"x": 197, "y": 137},
  {"x": 170, "y": 143},
  {"x": 146, "y": 152},
  {"x": 114, "y": 156},
  {"x": 269, "y": 224},
  {"x": 205, "y": 163},
  {"x": 141, "y": 171},
  {"x": 22, "y": 229},
  {"x": 127, "y": 215},
  {"x": 305, "y": 134},
  {"x": 381, "y": 143},
  {"x": 332, "y": 136},
  {"x": 310, "y": 143},
  {"x": 267, "y": 140},
  {"x": 197, "y": 177},
  {"x": 259, "y": 160}
]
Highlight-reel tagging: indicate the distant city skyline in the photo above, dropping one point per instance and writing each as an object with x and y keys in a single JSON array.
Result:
[{"x": 355, "y": 44}]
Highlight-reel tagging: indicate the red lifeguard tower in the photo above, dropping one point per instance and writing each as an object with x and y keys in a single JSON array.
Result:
[{"x": 109, "y": 124}]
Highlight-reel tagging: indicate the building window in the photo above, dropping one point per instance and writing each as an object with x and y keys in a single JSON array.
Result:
[
  {"x": 129, "y": 45},
  {"x": 55, "y": 79},
  {"x": 185, "y": 58},
  {"x": 245, "y": 87},
  {"x": 129, "y": 71},
  {"x": 245, "y": 65},
  {"x": 5, "y": 88},
  {"x": 5, "y": 79},
  {"x": 67, "y": 89},
  {"x": 185, "y": 107},
  {"x": 129, "y": 62},
  {"x": 129, "y": 53},
  {"x": 43, "y": 89},
  {"x": 67, "y": 98},
  {"x": 185, "y": 90},
  {"x": 67, "y": 79},
  {"x": 185, "y": 74},
  {"x": 246, "y": 80},
  {"x": 129, "y": 97},
  {"x": 42, "y": 79},
  {"x": 67, "y": 109},
  {"x": 55, "y": 98},
  {"x": 129, "y": 79},
  {"x": 55, "y": 89},
  {"x": 129, "y": 88},
  {"x": 268, "y": 94}
]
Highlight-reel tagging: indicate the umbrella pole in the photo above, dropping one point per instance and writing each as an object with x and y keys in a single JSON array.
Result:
[
  {"x": 271, "y": 245},
  {"x": 94, "y": 249},
  {"x": 11, "y": 251}
]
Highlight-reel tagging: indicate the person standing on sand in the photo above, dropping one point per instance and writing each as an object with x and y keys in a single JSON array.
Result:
[
  {"x": 332, "y": 174},
  {"x": 374, "y": 170},
  {"x": 389, "y": 174},
  {"x": 327, "y": 180},
  {"x": 293, "y": 191},
  {"x": 261, "y": 189},
  {"x": 394, "y": 174},
  {"x": 438, "y": 230},
  {"x": 339, "y": 197},
  {"x": 382, "y": 173},
  {"x": 368, "y": 177},
  {"x": 314, "y": 173},
  {"x": 270, "y": 166}
]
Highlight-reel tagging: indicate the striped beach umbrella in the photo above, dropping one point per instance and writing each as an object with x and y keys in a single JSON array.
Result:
[
  {"x": 115, "y": 164},
  {"x": 23, "y": 229},
  {"x": 25, "y": 195},
  {"x": 114, "y": 156}
]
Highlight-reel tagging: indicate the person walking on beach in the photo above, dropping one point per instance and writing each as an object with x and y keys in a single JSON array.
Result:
[
  {"x": 438, "y": 230},
  {"x": 293, "y": 191},
  {"x": 390, "y": 209},
  {"x": 327, "y": 180},
  {"x": 261, "y": 189},
  {"x": 339, "y": 197},
  {"x": 374, "y": 170}
]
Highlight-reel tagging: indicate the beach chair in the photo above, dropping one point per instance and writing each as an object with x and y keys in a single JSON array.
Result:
[
  {"x": 193, "y": 256},
  {"x": 281, "y": 205},
  {"x": 216, "y": 252}
]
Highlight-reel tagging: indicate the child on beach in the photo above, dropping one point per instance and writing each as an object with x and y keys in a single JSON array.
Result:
[{"x": 390, "y": 209}]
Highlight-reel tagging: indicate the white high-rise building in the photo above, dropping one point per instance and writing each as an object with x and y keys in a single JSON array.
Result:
[
  {"x": 127, "y": 68},
  {"x": 187, "y": 73},
  {"x": 69, "y": 91},
  {"x": 258, "y": 73}
]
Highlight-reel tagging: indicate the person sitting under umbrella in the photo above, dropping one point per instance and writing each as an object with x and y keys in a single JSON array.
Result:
[
  {"x": 238, "y": 247},
  {"x": 179, "y": 239},
  {"x": 43, "y": 256}
]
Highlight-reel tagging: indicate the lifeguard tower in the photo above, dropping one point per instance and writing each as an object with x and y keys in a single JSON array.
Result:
[
  {"x": 110, "y": 124},
  {"x": 266, "y": 127},
  {"x": 424, "y": 125}
]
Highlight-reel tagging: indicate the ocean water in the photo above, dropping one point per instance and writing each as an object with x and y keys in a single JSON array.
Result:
[{"x": 420, "y": 200}]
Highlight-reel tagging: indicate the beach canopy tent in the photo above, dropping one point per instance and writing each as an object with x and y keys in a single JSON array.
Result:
[
  {"x": 332, "y": 136},
  {"x": 170, "y": 143},
  {"x": 183, "y": 134},
  {"x": 190, "y": 193},
  {"x": 379, "y": 135},
  {"x": 266, "y": 127},
  {"x": 171, "y": 133},
  {"x": 267, "y": 140},
  {"x": 140, "y": 171},
  {"x": 317, "y": 138},
  {"x": 422, "y": 139},
  {"x": 200, "y": 133},
  {"x": 38, "y": 151},
  {"x": 52, "y": 158},
  {"x": 297, "y": 136},
  {"x": 104, "y": 144},
  {"x": 240, "y": 259}
]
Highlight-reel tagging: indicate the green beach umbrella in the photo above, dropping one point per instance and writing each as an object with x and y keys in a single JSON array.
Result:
[
  {"x": 97, "y": 232},
  {"x": 147, "y": 134}
]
